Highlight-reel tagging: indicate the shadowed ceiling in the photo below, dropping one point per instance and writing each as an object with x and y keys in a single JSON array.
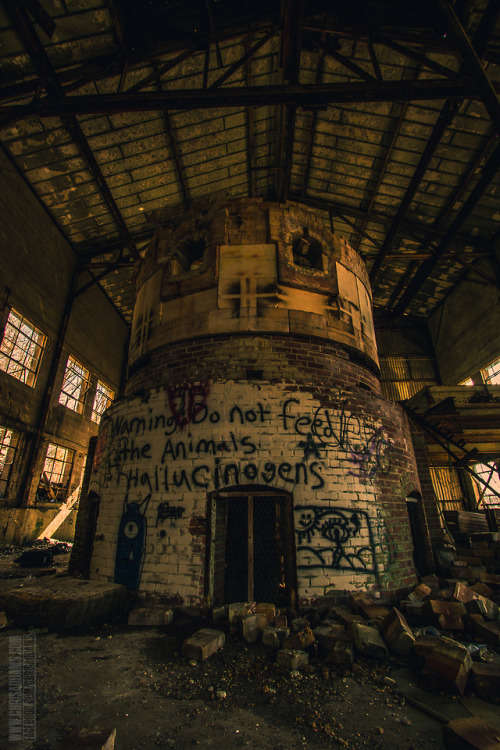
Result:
[{"x": 123, "y": 115}]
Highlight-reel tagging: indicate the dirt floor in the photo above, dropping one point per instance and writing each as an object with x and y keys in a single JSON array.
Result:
[{"x": 134, "y": 679}]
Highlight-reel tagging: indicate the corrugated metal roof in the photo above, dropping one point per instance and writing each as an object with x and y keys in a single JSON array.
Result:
[{"x": 356, "y": 160}]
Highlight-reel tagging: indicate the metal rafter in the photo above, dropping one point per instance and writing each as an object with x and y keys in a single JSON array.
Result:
[
  {"x": 308, "y": 96},
  {"x": 471, "y": 61},
  {"x": 442, "y": 123},
  {"x": 489, "y": 172},
  {"x": 421, "y": 58},
  {"x": 49, "y": 80},
  {"x": 445, "y": 212},
  {"x": 327, "y": 46},
  {"x": 174, "y": 148},
  {"x": 445, "y": 118},
  {"x": 312, "y": 124},
  {"x": 249, "y": 128},
  {"x": 409, "y": 227}
]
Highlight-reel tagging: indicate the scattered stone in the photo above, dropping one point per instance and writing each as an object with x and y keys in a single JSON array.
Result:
[
  {"x": 300, "y": 640},
  {"x": 221, "y": 694},
  {"x": 420, "y": 592},
  {"x": 249, "y": 628},
  {"x": 292, "y": 659},
  {"x": 448, "y": 665},
  {"x": 368, "y": 642},
  {"x": 89, "y": 739},
  {"x": 342, "y": 652},
  {"x": 274, "y": 637},
  {"x": 150, "y": 617},
  {"x": 236, "y": 610},
  {"x": 397, "y": 633},
  {"x": 470, "y": 733},
  {"x": 487, "y": 681},
  {"x": 268, "y": 610},
  {"x": 203, "y": 644},
  {"x": 489, "y": 632},
  {"x": 367, "y": 606}
]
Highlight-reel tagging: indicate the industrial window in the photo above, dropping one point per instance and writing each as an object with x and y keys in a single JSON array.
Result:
[
  {"x": 75, "y": 385},
  {"x": 56, "y": 473},
  {"x": 103, "y": 397},
  {"x": 21, "y": 348},
  {"x": 8, "y": 444},
  {"x": 491, "y": 374},
  {"x": 485, "y": 496}
]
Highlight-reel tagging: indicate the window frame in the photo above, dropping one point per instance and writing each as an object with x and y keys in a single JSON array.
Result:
[
  {"x": 19, "y": 368},
  {"x": 57, "y": 480},
  {"x": 96, "y": 414},
  {"x": 81, "y": 389},
  {"x": 9, "y": 440}
]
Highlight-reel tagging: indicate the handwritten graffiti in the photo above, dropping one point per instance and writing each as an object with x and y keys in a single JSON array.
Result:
[
  {"x": 202, "y": 476},
  {"x": 231, "y": 453},
  {"x": 168, "y": 512},
  {"x": 336, "y": 428},
  {"x": 130, "y": 543},
  {"x": 372, "y": 457},
  {"x": 336, "y": 538}
]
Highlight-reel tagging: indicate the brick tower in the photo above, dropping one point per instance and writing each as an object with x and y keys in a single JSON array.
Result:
[{"x": 253, "y": 456}]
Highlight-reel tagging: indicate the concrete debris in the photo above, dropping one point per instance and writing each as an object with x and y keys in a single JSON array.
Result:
[
  {"x": 471, "y": 733},
  {"x": 292, "y": 659},
  {"x": 203, "y": 644},
  {"x": 151, "y": 616},
  {"x": 368, "y": 642}
]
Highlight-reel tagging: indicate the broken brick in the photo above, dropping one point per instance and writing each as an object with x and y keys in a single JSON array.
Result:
[
  {"x": 397, "y": 633},
  {"x": 470, "y": 733},
  {"x": 487, "y": 681},
  {"x": 366, "y": 606},
  {"x": 150, "y": 616},
  {"x": 448, "y": 665},
  {"x": 342, "y": 652},
  {"x": 249, "y": 628},
  {"x": 203, "y": 644},
  {"x": 274, "y": 637},
  {"x": 489, "y": 632},
  {"x": 300, "y": 640},
  {"x": 292, "y": 659},
  {"x": 419, "y": 593},
  {"x": 368, "y": 642}
]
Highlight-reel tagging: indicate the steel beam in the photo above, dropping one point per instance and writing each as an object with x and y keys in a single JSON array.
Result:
[
  {"x": 490, "y": 170},
  {"x": 471, "y": 61},
  {"x": 307, "y": 96}
]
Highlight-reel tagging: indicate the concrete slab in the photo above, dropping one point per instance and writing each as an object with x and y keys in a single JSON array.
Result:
[{"x": 60, "y": 602}]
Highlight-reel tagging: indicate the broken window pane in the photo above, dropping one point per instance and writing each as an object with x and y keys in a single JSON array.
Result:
[
  {"x": 21, "y": 348},
  {"x": 485, "y": 496},
  {"x": 56, "y": 473},
  {"x": 8, "y": 443},
  {"x": 75, "y": 385},
  {"x": 491, "y": 374},
  {"x": 103, "y": 398}
]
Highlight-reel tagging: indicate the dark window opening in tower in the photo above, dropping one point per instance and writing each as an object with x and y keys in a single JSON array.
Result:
[{"x": 308, "y": 252}]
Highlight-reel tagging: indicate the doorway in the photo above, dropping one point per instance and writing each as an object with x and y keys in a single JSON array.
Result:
[
  {"x": 417, "y": 533},
  {"x": 253, "y": 548}
]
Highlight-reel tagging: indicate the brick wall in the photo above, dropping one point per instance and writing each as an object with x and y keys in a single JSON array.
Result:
[
  {"x": 465, "y": 328},
  {"x": 37, "y": 271},
  {"x": 324, "y": 434}
]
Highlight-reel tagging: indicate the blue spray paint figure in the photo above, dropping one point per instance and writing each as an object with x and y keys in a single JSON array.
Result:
[{"x": 130, "y": 544}]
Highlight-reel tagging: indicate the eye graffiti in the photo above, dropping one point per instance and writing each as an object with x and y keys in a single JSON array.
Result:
[
  {"x": 334, "y": 538},
  {"x": 130, "y": 543}
]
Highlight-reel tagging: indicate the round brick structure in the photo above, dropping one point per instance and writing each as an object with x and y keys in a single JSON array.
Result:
[{"x": 253, "y": 457}]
